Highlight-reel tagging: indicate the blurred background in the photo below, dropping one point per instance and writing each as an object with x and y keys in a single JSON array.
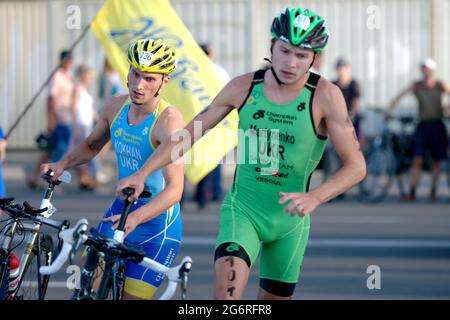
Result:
[{"x": 384, "y": 42}]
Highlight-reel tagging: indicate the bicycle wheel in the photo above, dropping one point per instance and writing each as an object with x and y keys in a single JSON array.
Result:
[
  {"x": 4, "y": 274},
  {"x": 29, "y": 286},
  {"x": 380, "y": 169},
  {"x": 113, "y": 282}
]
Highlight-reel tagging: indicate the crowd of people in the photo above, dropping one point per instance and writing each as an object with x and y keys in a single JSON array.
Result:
[{"x": 71, "y": 115}]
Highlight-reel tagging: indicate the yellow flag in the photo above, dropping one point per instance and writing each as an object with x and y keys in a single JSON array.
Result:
[{"x": 193, "y": 84}]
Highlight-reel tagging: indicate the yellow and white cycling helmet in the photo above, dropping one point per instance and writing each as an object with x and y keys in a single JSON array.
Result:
[{"x": 155, "y": 56}]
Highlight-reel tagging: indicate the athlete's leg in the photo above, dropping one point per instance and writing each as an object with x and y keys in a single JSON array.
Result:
[
  {"x": 281, "y": 261},
  {"x": 264, "y": 295},
  {"x": 237, "y": 247},
  {"x": 231, "y": 276},
  {"x": 162, "y": 244}
]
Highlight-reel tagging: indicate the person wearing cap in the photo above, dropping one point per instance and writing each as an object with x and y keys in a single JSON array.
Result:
[
  {"x": 430, "y": 136},
  {"x": 136, "y": 123},
  {"x": 59, "y": 114},
  {"x": 286, "y": 114}
]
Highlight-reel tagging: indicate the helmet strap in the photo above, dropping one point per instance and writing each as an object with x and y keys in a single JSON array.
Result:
[
  {"x": 160, "y": 86},
  {"x": 314, "y": 59},
  {"x": 274, "y": 73}
]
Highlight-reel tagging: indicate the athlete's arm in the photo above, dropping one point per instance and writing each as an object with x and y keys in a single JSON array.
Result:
[
  {"x": 91, "y": 146},
  {"x": 180, "y": 141},
  {"x": 170, "y": 121},
  {"x": 343, "y": 136},
  {"x": 330, "y": 102}
]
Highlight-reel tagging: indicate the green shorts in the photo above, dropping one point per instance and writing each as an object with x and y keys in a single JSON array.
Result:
[{"x": 280, "y": 238}]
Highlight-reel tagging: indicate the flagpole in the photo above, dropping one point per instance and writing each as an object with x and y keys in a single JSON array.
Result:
[{"x": 36, "y": 95}]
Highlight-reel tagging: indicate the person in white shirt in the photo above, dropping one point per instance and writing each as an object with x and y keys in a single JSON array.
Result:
[{"x": 84, "y": 114}]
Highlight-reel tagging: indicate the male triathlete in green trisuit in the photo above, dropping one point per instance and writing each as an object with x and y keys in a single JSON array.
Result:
[{"x": 287, "y": 112}]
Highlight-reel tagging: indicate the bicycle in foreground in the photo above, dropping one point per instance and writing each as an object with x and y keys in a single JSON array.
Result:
[
  {"x": 108, "y": 254},
  {"x": 26, "y": 283}
]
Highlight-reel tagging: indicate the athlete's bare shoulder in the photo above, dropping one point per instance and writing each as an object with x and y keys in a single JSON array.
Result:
[
  {"x": 171, "y": 114},
  {"x": 328, "y": 98},
  {"x": 112, "y": 106}
]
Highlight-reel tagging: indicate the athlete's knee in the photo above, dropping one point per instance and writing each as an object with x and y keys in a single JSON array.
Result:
[
  {"x": 232, "y": 249},
  {"x": 273, "y": 289}
]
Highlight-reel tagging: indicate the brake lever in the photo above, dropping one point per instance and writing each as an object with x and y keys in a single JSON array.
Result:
[{"x": 80, "y": 233}]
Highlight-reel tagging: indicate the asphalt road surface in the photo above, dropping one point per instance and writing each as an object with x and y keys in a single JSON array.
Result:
[{"x": 393, "y": 250}]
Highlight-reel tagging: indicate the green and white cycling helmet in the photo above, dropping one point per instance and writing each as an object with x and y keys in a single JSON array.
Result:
[{"x": 301, "y": 28}]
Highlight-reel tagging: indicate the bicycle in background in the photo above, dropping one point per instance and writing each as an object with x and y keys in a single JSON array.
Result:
[{"x": 389, "y": 158}]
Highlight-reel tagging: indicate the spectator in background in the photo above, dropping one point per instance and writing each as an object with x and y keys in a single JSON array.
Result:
[
  {"x": 110, "y": 83},
  {"x": 210, "y": 187},
  {"x": 351, "y": 91},
  {"x": 83, "y": 114},
  {"x": 220, "y": 70},
  {"x": 430, "y": 136},
  {"x": 59, "y": 115}
]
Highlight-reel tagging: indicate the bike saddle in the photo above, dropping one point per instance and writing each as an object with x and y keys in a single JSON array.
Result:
[
  {"x": 131, "y": 252},
  {"x": 117, "y": 249}
]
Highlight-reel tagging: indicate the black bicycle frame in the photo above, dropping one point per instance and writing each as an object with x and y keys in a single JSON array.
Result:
[{"x": 112, "y": 268}]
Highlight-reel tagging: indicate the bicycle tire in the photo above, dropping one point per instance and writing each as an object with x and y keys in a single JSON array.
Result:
[
  {"x": 380, "y": 171},
  {"x": 4, "y": 276},
  {"x": 107, "y": 285},
  {"x": 28, "y": 287}
]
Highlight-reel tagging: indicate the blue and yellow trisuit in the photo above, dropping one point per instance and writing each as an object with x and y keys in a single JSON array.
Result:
[{"x": 161, "y": 236}]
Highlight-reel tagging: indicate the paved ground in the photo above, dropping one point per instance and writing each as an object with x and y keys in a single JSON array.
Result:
[{"x": 408, "y": 242}]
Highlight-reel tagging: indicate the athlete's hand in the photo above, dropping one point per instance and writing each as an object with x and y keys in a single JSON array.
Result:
[
  {"x": 300, "y": 203},
  {"x": 135, "y": 181},
  {"x": 56, "y": 167},
  {"x": 130, "y": 225}
]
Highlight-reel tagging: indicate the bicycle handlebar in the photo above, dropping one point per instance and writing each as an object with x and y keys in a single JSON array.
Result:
[
  {"x": 65, "y": 177},
  {"x": 77, "y": 234},
  {"x": 21, "y": 212},
  {"x": 69, "y": 237}
]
